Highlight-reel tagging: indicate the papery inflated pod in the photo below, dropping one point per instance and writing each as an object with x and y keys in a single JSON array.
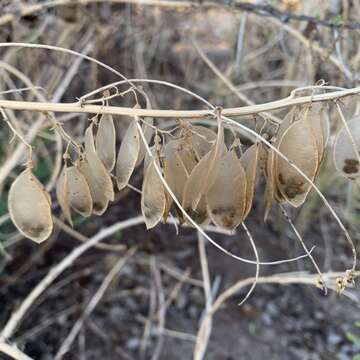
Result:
[
  {"x": 271, "y": 188},
  {"x": 30, "y": 207},
  {"x": 178, "y": 164},
  {"x": 128, "y": 155},
  {"x": 153, "y": 199},
  {"x": 298, "y": 144},
  {"x": 346, "y": 159},
  {"x": 203, "y": 176},
  {"x": 249, "y": 161},
  {"x": 202, "y": 140},
  {"x": 62, "y": 194},
  {"x": 147, "y": 128},
  {"x": 79, "y": 192},
  {"x": 96, "y": 175},
  {"x": 105, "y": 141},
  {"x": 319, "y": 122},
  {"x": 227, "y": 197},
  {"x": 272, "y": 192}
]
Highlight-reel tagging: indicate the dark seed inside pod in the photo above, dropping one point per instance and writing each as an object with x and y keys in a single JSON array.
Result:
[
  {"x": 294, "y": 187},
  {"x": 197, "y": 216},
  {"x": 33, "y": 230},
  {"x": 351, "y": 166},
  {"x": 226, "y": 214}
]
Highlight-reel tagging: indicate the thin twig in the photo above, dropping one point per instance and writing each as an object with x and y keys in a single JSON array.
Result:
[
  {"x": 13, "y": 351},
  {"x": 95, "y": 299},
  {"x": 183, "y": 114},
  {"x": 18, "y": 315}
]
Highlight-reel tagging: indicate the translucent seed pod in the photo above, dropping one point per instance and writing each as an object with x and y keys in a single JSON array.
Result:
[
  {"x": 346, "y": 151},
  {"x": 147, "y": 128},
  {"x": 96, "y": 175},
  {"x": 202, "y": 140},
  {"x": 298, "y": 144},
  {"x": 227, "y": 197},
  {"x": 319, "y": 122},
  {"x": 250, "y": 163},
  {"x": 62, "y": 194},
  {"x": 178, "y": 164},
  {"x": 105, "y": 141},
  {"x": 79, "y": 192},
  {"x": 128, "y": 155},
  {"x": 30, "y": 208},
  {"x": 153, "y": 199}
]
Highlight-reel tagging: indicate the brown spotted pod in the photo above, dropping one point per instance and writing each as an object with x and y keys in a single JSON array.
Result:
[
  {"x": 346, "y": 152},
  {"x": 30, "y": 207}
]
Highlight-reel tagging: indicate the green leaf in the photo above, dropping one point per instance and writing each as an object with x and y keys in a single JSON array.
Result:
[
  {"x": 353, "y": 338},
  {"x": 356, "y": 357}
]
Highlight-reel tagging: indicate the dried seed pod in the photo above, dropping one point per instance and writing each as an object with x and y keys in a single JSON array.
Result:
[
  {"x": 148, "y": 132},
  {"x": 319, "y": 122},
  {"x": 79, "y": 192},
  {"x": 62, "y": 194},
  {"x": 105, "y": 141},
  {"x": 272, "y": 192},
  {"x": 202, "y": 140},
  {"x": 271, "y": 188},
  {"x": 128, "y": 155},
  {"x": 30, "y": 208},
  {"x": 178, "y": 164},
  {"x": 227, "y": 197},
  {"x": 96, "y": 175},
  {"x": 249, "y": 161},
  {"x": 202, "y": 178},
  {"x": 153, "y": 199},
  {"x": 346, "y": 160},
  {"x": 298, "y": 144}
]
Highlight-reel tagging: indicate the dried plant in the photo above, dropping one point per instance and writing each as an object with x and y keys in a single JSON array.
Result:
[{"x": 197, "y": 167}]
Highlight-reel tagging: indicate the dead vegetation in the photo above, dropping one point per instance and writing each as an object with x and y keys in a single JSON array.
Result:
[{"x": 180, "y": 141}]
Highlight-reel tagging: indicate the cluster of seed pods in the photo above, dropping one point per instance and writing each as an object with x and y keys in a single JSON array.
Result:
[{"x": 212, "y": 182}]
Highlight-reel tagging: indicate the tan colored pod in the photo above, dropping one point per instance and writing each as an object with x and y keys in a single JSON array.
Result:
[
  {"x": 346, "y": 160},
  {"x": 202, "y": 140},
  {"x": 128, "y": 155},
  {"x": 194, "y": 195},
  {"x": 227, "y": 197},
  {"x": 201, "y": 178},
  {"x": 153, "y": 199},
  {"x": 62, "y": 194},
  {"x": 106, "y": 142},
  {"x": 178, "y": 164},
  {"x": 250, "y": 162},
  {"x": 299, "y": 145},
  {"x": 79, "y": 192},
  {"x": 29, "y": 207},
  {"x": 96, "y": 175},
  {"x": 147, "y": 128},
  {"x": 319, "y": 121}
]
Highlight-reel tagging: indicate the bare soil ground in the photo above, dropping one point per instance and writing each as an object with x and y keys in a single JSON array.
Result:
[{"x": 277, "y": 322}]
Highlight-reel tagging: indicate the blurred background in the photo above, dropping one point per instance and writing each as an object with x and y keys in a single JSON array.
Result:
[{"x": 154, "y": 306}]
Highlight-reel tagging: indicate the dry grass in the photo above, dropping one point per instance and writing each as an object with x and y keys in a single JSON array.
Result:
[{"x": 187, "y": 68}]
